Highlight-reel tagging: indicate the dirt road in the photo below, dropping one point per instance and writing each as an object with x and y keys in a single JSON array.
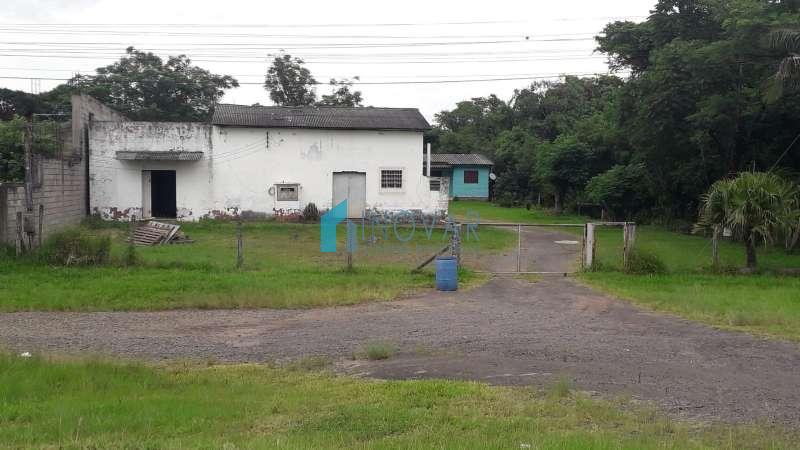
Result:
[{"x": 508, "y": 331}]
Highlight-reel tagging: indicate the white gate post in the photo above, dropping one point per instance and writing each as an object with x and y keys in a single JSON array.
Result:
[
  {"x": 628, "y": 239},
  {"x": 588, "y": 243}
]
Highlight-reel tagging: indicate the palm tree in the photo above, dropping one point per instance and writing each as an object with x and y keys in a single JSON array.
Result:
[
  {"x": 788, "y": 40},
  {"x": 757, "y": 207}
]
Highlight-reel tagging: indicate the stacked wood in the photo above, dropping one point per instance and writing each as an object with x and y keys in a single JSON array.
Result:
[{"x": 157, "y": 233}]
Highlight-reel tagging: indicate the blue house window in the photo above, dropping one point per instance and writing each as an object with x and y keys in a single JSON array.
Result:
[{"x": 470, "y": 177}]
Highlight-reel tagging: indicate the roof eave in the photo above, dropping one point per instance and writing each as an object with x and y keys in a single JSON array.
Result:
[{"x": 421, "y": 130}]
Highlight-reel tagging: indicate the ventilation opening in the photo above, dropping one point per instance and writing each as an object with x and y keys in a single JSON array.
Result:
[{"x": 162, "y": 194}]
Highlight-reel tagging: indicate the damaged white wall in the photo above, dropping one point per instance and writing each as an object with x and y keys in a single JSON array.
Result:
[
  {"x": 116, "y": 186},
  {"x": 241, "y": 166}
]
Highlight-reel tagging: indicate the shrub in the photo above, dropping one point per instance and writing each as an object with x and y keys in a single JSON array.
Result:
[
  {"x": 641, "y": 262},
  {"x": 310, "y": 213},
  {"x": 7, "y": 251},
  {"x": 506, "y": 201},
  {"x": 378, "y": 350},
  {"x": 562, "y": 388},
  {"x": 76, "y": 246}
]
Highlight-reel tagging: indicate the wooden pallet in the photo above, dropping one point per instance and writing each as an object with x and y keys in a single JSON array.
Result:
[{"x": 157, "y": 233}]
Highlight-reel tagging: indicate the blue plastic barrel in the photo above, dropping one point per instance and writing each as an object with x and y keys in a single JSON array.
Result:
[{"x": 447, "y": 273}]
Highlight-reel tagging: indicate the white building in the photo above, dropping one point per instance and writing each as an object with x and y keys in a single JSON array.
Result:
[{"x": 261, "y": 161}]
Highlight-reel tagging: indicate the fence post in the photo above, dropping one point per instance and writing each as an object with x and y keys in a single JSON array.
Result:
[
  {"x": 130, "y": 256},
  {"x": 629, "y": 239},
  {"x": 239, "y": 247},
  {"x": 455, "y": 243},
  {"x": 715, "y": 247},
  {"x": 588, "y": 243},
  {"x": 20, "y": 241},
  {"x": 41, "y": 224},
  {"x": 351, "y": 243},
  {"x": 519, "y": 248}
]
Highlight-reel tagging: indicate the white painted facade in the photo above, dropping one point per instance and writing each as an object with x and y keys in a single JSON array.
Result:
[{"x": 242, "y": 168}]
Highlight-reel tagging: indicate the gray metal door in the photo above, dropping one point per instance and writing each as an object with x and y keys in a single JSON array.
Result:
[{"x": 351, "y": 186}]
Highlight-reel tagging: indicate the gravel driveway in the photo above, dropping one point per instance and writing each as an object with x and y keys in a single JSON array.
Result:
[{"x": 508, "y": 331}]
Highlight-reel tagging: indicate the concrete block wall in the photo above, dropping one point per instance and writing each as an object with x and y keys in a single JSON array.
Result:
[
  {"x": 60, "y": 184},
  {"x": 60, "y": 196}
]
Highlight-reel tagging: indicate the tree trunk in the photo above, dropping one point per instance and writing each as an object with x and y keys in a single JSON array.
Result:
[
  {"x": 750, "y": 247},
  {"x": 557, "y": 198}
]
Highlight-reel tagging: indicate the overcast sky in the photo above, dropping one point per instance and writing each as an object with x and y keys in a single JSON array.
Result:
[{"x": 382, "y": 42}]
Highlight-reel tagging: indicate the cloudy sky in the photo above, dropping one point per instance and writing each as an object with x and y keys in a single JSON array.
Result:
[{"x": 425, "y": 54}]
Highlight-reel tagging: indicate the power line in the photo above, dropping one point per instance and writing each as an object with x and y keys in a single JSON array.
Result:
[
  {"x": 526, "y": 36},
  {"x": 346, "y": 45},
  {"x": 319, "y": 25},
  {"x": 354, "y": 82},
  {"x": 354, "y": 62}
]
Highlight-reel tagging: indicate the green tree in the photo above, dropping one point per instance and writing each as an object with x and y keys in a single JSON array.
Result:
[
  {"x": 473, "y": 125},
  {"x": 563, "y": 166},
  {"x": 12, "y": 153},
  {"x": 144, "y": 87},
  {"x": 693, "y": 110},
  {"x": 757, "y": 207},
  {"x": 622, "y": 190},
  {"x": 19, "y": 103},
  {"x": 342, "y": 94},
  {"x": 788, "y": 41},
  {"x": 290, "y": 83},
  {"x": 514, "y": 161}
]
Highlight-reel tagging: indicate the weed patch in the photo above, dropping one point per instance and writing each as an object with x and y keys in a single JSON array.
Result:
[{"x": 376, "y": 351}]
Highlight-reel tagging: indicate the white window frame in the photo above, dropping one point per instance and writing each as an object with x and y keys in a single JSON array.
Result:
[
  {"x": 402, "y": 187},
  {"x": 278, "y": 187}
]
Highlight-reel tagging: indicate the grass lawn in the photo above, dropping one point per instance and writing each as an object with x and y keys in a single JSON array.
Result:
[
  {"x": 489, "y": 212},
  {"x": 765, "y": 304},
  {"x": 283, "y": 268},
  {"x": 94, "y": 404}
]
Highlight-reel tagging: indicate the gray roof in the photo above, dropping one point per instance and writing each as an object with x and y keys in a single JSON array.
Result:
[
  {"x": 459, "y": 159},
  {"x": 367, "y": 118}
]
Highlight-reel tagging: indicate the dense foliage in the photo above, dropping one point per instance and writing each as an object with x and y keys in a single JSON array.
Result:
[
  {"x": 140, "y": 85},
  {"x": 46, "y": 139},
  {"x": 290, "y": 83},
  {"x": 712, "y": 92}
]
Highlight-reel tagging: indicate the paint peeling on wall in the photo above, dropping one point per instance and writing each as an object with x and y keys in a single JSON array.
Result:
[{"x": 114, "y": 213}]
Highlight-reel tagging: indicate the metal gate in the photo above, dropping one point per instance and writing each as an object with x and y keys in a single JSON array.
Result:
[
  {"x": 553, "y": 249},
  {"x": 351, "y": 186},
  {"x": 549, "y": 249}
]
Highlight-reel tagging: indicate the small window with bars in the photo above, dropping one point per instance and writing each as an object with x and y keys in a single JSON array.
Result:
[
  {"x": 436, "y": 184},
  {"x": 392, "y": 179},
  {"x": 470, "y": 177},
  {"x": 288, "y": 192}
]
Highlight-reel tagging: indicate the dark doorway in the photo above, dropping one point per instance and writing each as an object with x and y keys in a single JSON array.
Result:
[{"x": 162, "y": 193}]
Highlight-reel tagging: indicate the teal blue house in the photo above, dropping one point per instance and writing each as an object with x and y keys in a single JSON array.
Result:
[{"x": 464, "y": 175}]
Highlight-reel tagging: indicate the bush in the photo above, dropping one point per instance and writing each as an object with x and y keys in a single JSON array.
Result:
[
  {"x": 310, "y": 213},
  {"x": 7, "y": 251},
  {"x": 75, "y": 246},
  {"x": 378, "y": 350},
  {"x": 641, "y": 262},
  {"x": 506, "y": 201}
]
